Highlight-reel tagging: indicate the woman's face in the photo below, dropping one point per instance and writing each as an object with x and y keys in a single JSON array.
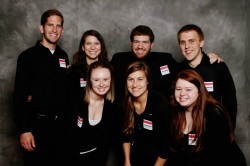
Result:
[
  {"x": 92, "y": 48},
  {"x": 186, "y": 93},
  {"x": 100, "y": 80},
  {"x": 137, "y": 83}
]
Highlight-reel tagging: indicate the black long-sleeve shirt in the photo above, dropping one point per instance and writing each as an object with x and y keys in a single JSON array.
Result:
[
  {"x": 219, "y": 83},
  {"x": 151, "y": 130},
  {"x": 86, "y": 143},
  {"x": 42, "y": 75},
  {"x": 217, "y": 148}
]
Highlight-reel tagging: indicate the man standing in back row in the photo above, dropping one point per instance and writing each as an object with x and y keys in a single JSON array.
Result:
[
  {"x": 40, "y": 93},
  {"x": 217, "y": 77}
]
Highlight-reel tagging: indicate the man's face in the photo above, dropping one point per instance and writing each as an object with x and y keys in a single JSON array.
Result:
[
  {"x": 52, "y": 30},
  {"x": 190, "y": 45},
  {"x": 141, "y": 46}
]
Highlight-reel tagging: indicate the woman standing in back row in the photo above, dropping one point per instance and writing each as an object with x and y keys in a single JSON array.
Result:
[{"x": 91, "y": 48}]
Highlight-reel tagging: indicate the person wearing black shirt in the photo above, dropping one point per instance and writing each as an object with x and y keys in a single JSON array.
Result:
[
  {"x": 217, "y": 77},
  {"x": 40, "y": 93}
]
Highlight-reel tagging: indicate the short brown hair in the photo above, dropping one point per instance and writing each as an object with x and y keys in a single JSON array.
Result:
[{"x": 50, "y": 12}]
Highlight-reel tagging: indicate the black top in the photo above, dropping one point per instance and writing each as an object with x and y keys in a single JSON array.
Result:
[
  {"x": 77, "y": 77},
  {"x": 219, "y": 83},
  {"x": 217, "y": 148},
  {"x": 87, "y": 143},
  {"x": 162, "y": 65},
  {"x": 151, "y": 129},
  {"x": 42, "y": 75}
]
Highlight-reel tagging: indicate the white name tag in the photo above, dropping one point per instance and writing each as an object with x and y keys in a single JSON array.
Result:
[
  {"x": 79, "y": 121},
  {"x": 82, "y": 82},
  {"x": 209, "y": 86},
  {"x": 147, "y": 124},
  {"x": 191, "y": 139},
  {"x": 62, "y": 63},
  {"x": 164, "y": 70}
]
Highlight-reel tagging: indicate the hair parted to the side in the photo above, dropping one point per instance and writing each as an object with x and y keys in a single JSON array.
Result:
[
  {"x": 178, "y": 121},
  {"x": 128, "y": 102},
  {"x": 79, "y": 58},
  {"x": 51, "y": 12},
  {"x": 110, "y": 95},
  {"x": 142, "y": 30}
]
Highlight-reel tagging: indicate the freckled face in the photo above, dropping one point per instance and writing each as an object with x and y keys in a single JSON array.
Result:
[{"x": 186, "y": 93}]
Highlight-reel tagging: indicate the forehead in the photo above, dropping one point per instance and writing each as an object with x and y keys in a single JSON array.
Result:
[
  {"x": 54, "y": 18},
  {"x": 139, "y": 73},
  {"x": 100, "y": 71},
  {"x": 189, "y": 35},
  {"x": 184, "y": 83},
  {"x": 141, "y": 38},
  {"x": 91, "y": 38}
]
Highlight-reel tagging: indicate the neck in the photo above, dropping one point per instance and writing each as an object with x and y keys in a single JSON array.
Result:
[
  {"x": 140, "y": 103},
  {"x": 195, "y": 62},
  {"x": 94, "y": 98},
  {"x": 89, "y": 61},
  {"x": 48, "y": 45}
]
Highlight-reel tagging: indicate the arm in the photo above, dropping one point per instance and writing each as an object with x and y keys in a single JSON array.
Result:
[
  {"x": 229, "y": 99},
  {"x": 160, "y": 161},
  {"x": 126, "y": 150}
]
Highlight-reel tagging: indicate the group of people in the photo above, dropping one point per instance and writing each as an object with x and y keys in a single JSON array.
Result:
[{"x": 155, "y": 110}]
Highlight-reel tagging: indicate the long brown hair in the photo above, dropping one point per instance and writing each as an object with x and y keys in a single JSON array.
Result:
[
  {"x": 79, "y": 58},
  {"x": 204, "y": 99},
  {"x": 128, "y": 102}
]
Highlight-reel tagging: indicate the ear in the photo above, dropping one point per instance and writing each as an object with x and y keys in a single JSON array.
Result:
[
  {"x": 152, "y": 44},
  {"x": 82, "y": 48},
  {"x": 41, "y": 28},
  {"x": 202, "y": 43}
]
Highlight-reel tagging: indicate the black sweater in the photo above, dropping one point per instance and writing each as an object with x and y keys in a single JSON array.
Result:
[{"x": 42, "y": 75}]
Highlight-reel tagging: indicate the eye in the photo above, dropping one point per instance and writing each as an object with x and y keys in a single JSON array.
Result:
[
  {"x": 182, "y": 43},
  {"x": 136, "y": 41},
  {"x": 177, "y": 89},
  {"x": 145, "y": 42}
]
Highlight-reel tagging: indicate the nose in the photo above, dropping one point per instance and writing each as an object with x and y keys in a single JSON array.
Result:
[
  {"x": 92, "y": 46},
  {"x": 182, "y": 92},
  {"x": 187, "y": 45},
  {"x": 134, "y": 83},
  {"x": 54, "y": 29}
]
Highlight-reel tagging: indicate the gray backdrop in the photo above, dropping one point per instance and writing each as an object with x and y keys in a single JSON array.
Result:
[{"x": 225, "y": 24}]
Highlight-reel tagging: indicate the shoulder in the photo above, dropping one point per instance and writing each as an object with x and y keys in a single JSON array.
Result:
[
  {"x": 157, "y": 97},
  {"x": 121, "y": 55},
  {"x": 213, "y": 111},
  {"x": 61, "y": 51},
  {"x": 161, "y": 55}
]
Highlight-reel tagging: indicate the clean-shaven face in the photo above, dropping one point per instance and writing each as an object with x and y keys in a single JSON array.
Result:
[
  {"x": 190, "y": 45},
  {"x": 52, "y": 30},
  {"x": 141, "y": 46},
  {"x": 100, "y": 81},
  {"x": 137, "y": 83},
  {"x": 186, "y": 93},
  {"x": 92, "y": 47}
]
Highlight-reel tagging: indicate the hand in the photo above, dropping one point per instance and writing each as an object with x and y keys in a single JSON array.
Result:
[
  {"x": 27, "y": 141},
  {"x": 213, "y": 58},
  {"x": 29, "y": 98}
]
